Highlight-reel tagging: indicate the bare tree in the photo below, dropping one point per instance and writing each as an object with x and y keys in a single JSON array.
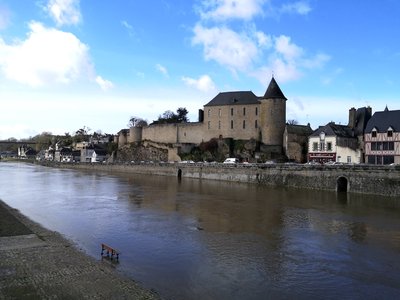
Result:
[{"x": 137, "y": 122}]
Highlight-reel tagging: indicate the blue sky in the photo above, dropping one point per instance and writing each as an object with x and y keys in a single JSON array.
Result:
[{"x": 65, "y": 64}]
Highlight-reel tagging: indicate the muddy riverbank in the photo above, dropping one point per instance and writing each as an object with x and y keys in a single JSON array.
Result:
[{"x": 40, "y": 264}]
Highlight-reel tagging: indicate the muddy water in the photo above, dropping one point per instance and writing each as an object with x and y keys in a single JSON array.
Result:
[{"x": 194, "y": 239}]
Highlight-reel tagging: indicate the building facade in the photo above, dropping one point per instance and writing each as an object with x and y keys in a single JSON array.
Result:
[
  {"x": 382, "y": 138},
  {"x": 295, "y": 142},
  {"x": 340, "y": 143},
  {"x": 333, "y": 143}
]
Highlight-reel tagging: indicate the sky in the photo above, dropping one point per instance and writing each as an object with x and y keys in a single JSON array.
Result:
[{"x": 69, "y": 64}]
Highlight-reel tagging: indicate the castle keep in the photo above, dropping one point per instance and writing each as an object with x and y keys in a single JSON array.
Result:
[{"x": 237, "y": 115}]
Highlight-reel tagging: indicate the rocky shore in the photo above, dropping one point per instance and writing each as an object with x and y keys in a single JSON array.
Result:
[{"x": 36, "y": 263}]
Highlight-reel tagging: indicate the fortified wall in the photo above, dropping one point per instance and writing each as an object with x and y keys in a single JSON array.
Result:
[
  {"x": 382, "y": 180},
  {"x": 192, "y": 133}
]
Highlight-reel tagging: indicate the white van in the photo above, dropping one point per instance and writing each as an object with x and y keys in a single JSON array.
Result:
[{"x": 231, "y": 161}]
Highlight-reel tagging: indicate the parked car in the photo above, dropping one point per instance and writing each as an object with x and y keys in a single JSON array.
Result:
[{"x": 231, "y": 161}]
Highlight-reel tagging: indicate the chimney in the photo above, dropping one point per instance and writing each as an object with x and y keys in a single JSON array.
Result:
[
  {"x": 352, "y": 118},
  {"x": 369, "y": 110},
  {"x": 201, "y": 115}
]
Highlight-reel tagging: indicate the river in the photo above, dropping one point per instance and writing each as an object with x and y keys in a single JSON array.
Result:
[{"x": 194, "y": 239}]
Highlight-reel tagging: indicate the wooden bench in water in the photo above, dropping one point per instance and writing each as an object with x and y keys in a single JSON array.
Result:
[{"x": 110, "y": 252}]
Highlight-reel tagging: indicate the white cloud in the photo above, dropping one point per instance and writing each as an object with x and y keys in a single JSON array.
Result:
[
  {"x": 47, "y": 56},
  {"x": 243, "y": 52},
  {"x": 231, "y": 9},
  {"x": 128, "y": 27},
  {"x": 163, "y": 70},
  {"x": 249, "y": 50},
  {"x": 284, "y": 47},
  {"x": 300, "y": 7},
  {"x": 263, "y": 40},
  {"x": 103, "y": 83},
  {"x": 204, "y": 83},
  {"x": 225, "y": 46},
  {"x": 287, "y": 61},
  {"x": 64, "y": 12}
]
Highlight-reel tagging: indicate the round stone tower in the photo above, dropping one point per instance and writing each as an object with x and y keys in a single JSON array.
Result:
[
  {"x": 273, "y": 115},
  {"x": 135, "y": 134}
]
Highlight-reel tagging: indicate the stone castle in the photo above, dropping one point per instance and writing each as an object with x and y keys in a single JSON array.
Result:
[{"x": 239, "y": 115}]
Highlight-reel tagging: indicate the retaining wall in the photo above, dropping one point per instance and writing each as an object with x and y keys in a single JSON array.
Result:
[{"x": 384, "y": 180}]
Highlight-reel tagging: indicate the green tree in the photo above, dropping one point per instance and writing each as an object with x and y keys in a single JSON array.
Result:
[
  {"x": 170, "y": 117},
  {"x": 182, "y": 115}
]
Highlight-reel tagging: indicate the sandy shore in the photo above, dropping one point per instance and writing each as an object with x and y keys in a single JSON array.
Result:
[{"x": 36, "y": 263}]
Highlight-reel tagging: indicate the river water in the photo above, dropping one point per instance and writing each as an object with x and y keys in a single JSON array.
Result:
[{"x": 194, "y": 239}]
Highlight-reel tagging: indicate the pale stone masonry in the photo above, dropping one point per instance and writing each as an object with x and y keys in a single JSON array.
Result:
[{"x": 237, "y": 115}]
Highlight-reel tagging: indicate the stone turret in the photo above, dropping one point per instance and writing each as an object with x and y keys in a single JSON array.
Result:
[{"x": 273, "y": 115}]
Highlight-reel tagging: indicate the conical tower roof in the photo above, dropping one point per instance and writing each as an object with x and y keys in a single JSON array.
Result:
[{"x": 273, "y": 91}]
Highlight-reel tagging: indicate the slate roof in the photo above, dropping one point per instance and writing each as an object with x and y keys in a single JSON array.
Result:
[
  {"x": 332, "y": 129},
  {"x": 234, "y": 98},
  {"x": 299, "y": 129},
  {"x": 273, "y": 91},
  {"x": 382, "y": 120},
  {"x": 247, "y": 97}
]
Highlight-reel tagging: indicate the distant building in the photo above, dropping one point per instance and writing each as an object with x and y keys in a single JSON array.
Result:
[
  {"x": 26, "y": 152},
  {"x": 295, "y": 142},
  {"x": 340, "y": 143},
  {"x": 382, "y": 138},
  {"x": 93, "y": 153}
]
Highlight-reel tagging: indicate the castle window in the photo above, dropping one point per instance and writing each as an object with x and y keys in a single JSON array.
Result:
[
  {"x": 390, "y": 132},
  {"x": 315, "y": 146},
  {"x": 231, "y": 124},
  {"x": 219, "y": 124},
  {"x": 329, "y": 146},
  {"x": 256, "y": 124},
  {"x": 373, "y": 133},
  {"x": 244, "y": 111},
  {"x": 322, "y": 146},
  {"x": 209, "y": 112},
  {"x": 231, "y": 111},
  {"x": 244, "y": 124},
  {"x": 219, "y": 112},
  {"x": 256, "y": 111}
]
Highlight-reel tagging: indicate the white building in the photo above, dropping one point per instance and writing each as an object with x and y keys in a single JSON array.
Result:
[{"x": 335, "y": 143}]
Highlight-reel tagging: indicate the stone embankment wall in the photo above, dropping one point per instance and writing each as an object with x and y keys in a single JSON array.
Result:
[{"x": 384, "y": 180}]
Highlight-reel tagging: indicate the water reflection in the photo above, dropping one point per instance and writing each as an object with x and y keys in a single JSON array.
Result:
[{"x": 194, "y": 239}]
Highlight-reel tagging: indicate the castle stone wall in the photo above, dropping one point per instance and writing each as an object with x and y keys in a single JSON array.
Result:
[{"x": 161, "y": 133}]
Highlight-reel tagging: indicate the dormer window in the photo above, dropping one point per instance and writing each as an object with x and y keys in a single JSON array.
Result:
[
  {"x": 373, "y": 133},
  {"x": 322, "y": 136},
  {"x": 390, "y": 132}
]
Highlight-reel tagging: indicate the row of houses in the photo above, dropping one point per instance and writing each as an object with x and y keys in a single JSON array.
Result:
[
  {"x": 372, "y": 139},
  {"x": 89, "y": 153}
]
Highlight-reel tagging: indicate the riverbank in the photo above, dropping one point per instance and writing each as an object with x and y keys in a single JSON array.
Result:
[{"x": 37, "y": 263}]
